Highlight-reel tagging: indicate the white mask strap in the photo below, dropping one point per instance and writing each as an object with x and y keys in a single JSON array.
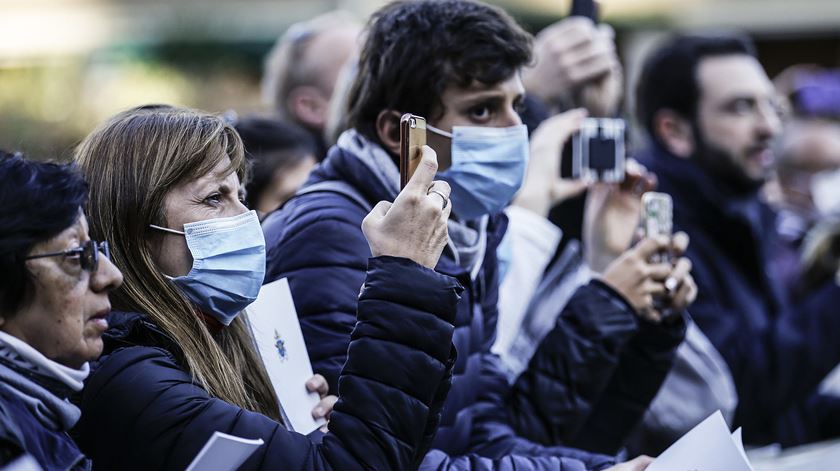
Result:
[
  {"x": 439, "y": 132},
  {"x": 166, "y": 229}
]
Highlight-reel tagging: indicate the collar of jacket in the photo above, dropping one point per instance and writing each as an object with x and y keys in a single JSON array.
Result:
[
  {"x": 128, "y": 329},
  {"x": 708, "y": 201}
]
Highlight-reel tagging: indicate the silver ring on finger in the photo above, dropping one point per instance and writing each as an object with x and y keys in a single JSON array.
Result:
[{"x": 445, "y": 198}]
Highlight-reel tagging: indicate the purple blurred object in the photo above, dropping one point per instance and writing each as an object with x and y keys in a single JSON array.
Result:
[{"x": 818, "y": 94}]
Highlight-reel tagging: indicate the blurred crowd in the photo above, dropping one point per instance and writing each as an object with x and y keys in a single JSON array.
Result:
[{"x": 490, "y": 314}]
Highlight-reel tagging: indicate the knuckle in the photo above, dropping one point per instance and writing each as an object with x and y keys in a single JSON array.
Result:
[{"x": 430, "y": 164}]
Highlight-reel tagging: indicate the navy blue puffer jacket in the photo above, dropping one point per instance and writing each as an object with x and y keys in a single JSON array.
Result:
[
  {"x": 142, "y": 411},
  {"x": 316, "y": 241}
]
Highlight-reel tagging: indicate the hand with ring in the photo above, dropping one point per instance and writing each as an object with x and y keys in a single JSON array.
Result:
[
  {"x": 445, "y": 198},
  {"x": 414, "y": 225}
]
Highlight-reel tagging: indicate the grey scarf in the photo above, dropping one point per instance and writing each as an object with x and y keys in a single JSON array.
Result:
[
  {"x": 43, "y": 394},
  {"x": 467, "y": 239}
]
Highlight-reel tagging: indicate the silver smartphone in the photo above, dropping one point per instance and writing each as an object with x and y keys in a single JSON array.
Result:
[
  {"x": 658, "y": 220},
  {"x": 657, "y": 214}
]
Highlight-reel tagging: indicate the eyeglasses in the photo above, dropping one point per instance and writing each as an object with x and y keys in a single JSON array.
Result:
[{"x": 88, "y": 254}]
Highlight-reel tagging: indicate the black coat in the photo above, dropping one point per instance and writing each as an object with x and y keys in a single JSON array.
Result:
[{"x": 141, "y": 410}]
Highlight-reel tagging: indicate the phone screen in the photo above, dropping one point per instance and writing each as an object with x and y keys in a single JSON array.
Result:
[{"x": 602, "y": 154}]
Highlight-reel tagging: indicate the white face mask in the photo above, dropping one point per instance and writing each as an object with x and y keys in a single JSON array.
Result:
[{"x": 825, "y": 191}]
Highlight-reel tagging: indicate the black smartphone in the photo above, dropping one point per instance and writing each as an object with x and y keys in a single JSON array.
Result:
[{"x": 585, "y": 8}]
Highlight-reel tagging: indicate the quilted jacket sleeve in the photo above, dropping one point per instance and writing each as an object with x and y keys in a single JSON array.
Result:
[
  {"x": 642, "y": 368},
  {"x": 142, "y": 411},
  {"x": 574, "y": 363},
  {"x": 439, "y": 461}
]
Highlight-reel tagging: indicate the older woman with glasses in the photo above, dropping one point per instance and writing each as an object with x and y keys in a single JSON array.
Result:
[{"x": 54, "y": 285}]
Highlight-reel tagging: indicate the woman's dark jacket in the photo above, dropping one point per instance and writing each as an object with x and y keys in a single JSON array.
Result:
[{"x": 141, "y": 410}]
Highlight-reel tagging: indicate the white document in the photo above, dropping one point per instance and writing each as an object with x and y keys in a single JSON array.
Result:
[
  {"x": 276, "y": 330},
  {"x": 224, "y": 452},
  {"x": 707, "y": 447}
]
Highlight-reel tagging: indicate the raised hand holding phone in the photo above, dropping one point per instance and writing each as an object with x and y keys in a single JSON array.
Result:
[{"x": 414, "y": 225}]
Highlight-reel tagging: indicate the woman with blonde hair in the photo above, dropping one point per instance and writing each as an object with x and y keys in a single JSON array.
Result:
[{"x": 179, "y": 362}]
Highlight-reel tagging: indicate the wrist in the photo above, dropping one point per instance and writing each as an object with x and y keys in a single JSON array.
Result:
[{"x": 534, "y": 201}]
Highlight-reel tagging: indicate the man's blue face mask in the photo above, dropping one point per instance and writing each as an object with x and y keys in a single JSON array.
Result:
[
  {"x": 228, "y": 264},
  {"x": 488, "y": 167}
]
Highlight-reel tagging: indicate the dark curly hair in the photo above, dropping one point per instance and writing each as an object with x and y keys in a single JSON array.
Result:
[
  {"x": 38, "y": 200},
  {"x": 414, "y": 49}
]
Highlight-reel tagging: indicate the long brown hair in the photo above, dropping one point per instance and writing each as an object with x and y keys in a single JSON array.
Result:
[{"x": 131, "y": 162}]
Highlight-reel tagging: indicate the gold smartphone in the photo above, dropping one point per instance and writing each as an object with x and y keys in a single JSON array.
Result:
[{"x": 412, "y": 139}]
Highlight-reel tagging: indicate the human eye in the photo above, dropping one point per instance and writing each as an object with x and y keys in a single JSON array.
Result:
[
  {"x": 482, "y": 113},
  {"x": 742, "y": 106},
  {"x": 519, "y": 106},
  {"x": 74, "y": 256},
  {"x": 213, "y": 199}
]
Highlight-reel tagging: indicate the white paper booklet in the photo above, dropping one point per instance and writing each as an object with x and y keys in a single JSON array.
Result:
[
  {"x": 707, "y": 447},
  {"x": 224, "y": 452},
  {"x": 276, "y": 330}
]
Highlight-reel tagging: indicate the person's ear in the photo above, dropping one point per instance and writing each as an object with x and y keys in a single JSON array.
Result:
[
  {"x": 674, "y": 132},
  {"x": 308, "y": 106},
  {"x": 388, "y": 130}
]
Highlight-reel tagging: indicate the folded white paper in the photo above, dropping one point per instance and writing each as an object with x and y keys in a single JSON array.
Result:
[
  {"x": 707, "y": 447},
  {"x": 276, "y": 330},
  {"x": 224, "y": 452}
]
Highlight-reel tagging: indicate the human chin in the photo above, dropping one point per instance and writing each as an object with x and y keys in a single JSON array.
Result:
[
  {"x": 90, "y": 347},
  {"x": 758, "y": 162}
]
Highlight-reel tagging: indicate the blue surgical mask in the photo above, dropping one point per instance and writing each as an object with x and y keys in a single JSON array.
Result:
[
  {"x": 228, "y": 264},
  {"x": 488, "y": 166}
]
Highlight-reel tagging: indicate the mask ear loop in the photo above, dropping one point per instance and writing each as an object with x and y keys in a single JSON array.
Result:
[
  {"x": 171, "y": 231},
  {"x": 166, "y": 229},
  {"x": 439, "y": 132}
]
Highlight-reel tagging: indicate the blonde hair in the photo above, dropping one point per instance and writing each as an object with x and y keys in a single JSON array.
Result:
[{"x": 132, "y": 161}]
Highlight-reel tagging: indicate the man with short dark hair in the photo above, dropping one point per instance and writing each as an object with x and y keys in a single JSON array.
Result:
[
  {"x": 458, "y": 64},
  {"x": 711, "y": 114}
]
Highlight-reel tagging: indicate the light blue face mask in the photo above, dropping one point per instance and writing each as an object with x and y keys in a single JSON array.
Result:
[
  {"x": 488, "y": 166},
  {"x": 228, "y": 264}
]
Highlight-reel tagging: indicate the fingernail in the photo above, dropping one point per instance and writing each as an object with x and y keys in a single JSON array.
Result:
[{"x": 671, "y": 284}]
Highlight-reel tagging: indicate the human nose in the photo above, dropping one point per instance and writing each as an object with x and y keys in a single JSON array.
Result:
[
  {"x": 769, "y": 119},
  {"x": 511, "y": 117},
  {"x": 235, "y": 209},
  {"x": 107, "y": 276}
]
